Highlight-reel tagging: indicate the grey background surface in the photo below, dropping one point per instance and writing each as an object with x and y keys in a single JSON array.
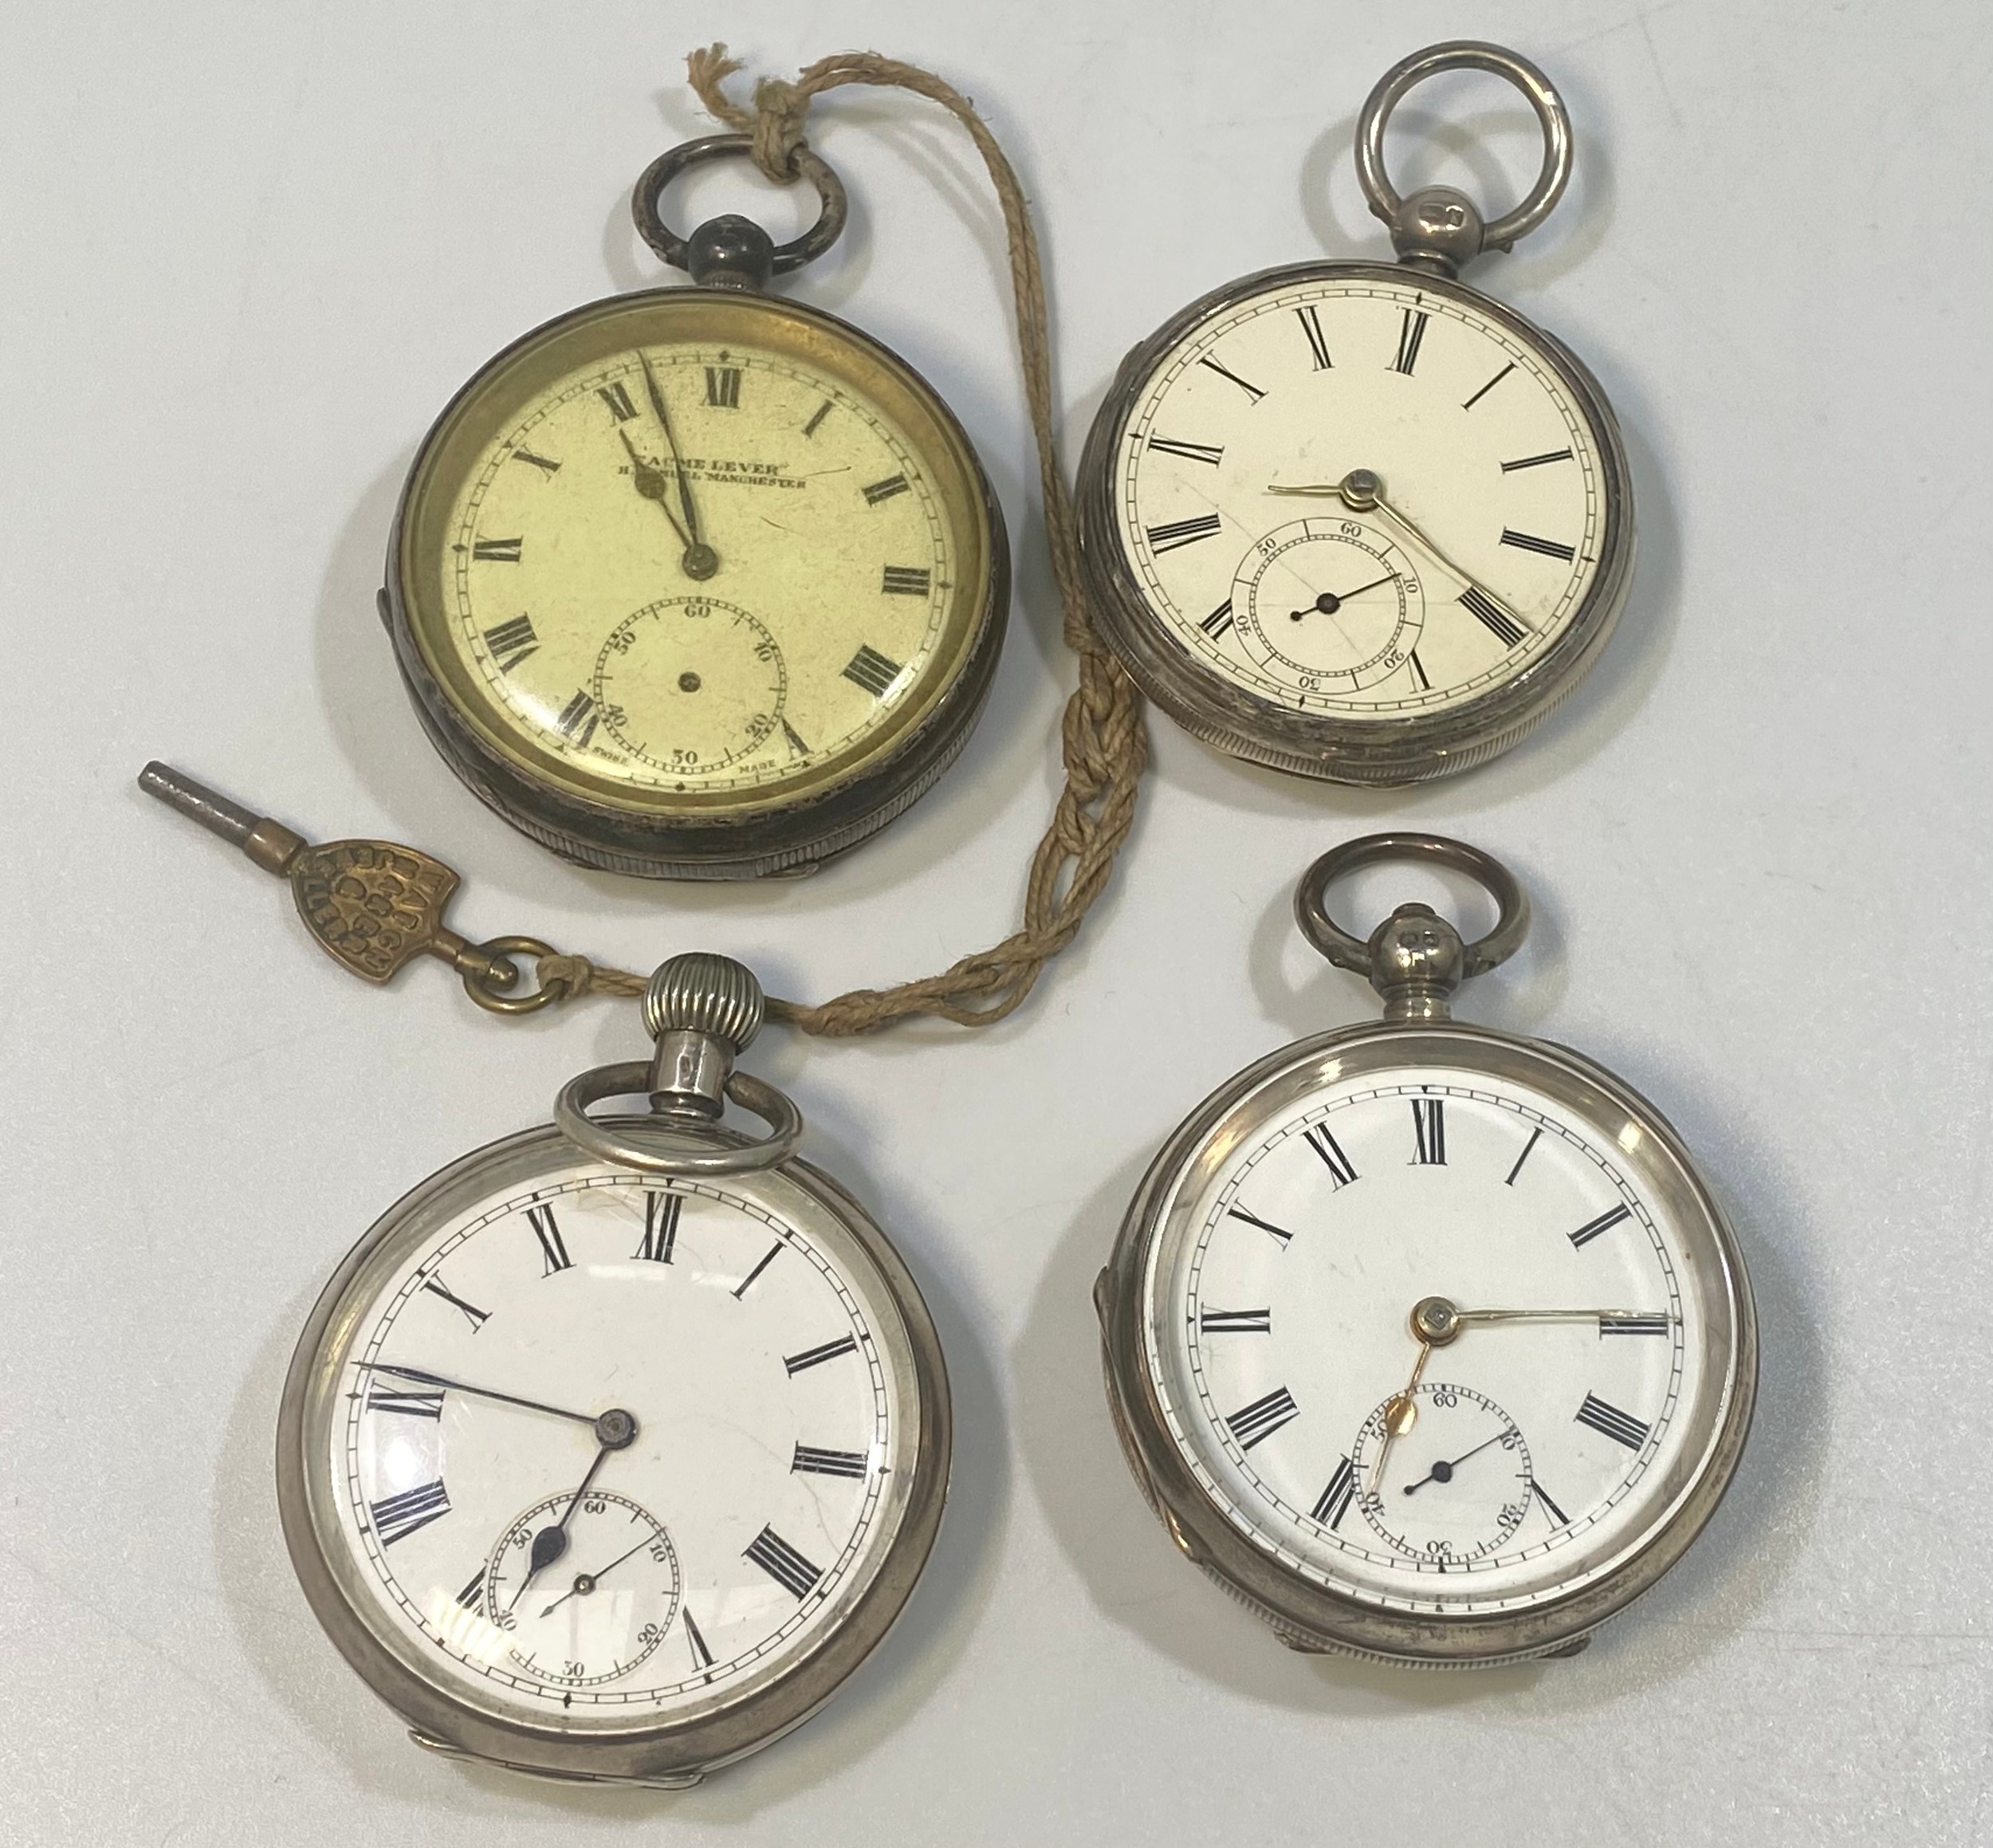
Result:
[{"x": 250, "y": 250}]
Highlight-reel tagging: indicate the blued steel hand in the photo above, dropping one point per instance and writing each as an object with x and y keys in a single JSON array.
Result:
[
  {"x": 1329, "y": 602},
  {"x": 586, "y": 1582},
  {"x": 550, "y": 1543},
  {"x": 1444, "y": 1471},
  {"x": 422, "y": 1377}
]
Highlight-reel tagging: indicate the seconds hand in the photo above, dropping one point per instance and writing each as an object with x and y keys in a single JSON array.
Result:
[{"x": 1444, "y": 1471}]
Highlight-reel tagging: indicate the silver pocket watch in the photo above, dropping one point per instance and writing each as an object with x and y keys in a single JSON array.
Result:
[
  {"x": 1359, "y": 520},
  {"x": 614, "y": 1448},
  {"x": 1426, "y": 1341}
]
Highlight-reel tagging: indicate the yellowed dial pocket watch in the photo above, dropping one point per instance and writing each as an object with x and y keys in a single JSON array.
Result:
[
  {"x": 1359, "y": 520},
  {"x": 698, "y": 581},
  {"x": 1427, "y": 1341}
]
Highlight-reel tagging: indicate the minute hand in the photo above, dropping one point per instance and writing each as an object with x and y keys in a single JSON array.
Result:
[
  {"x": 1362, "y": 492},
  {"x": 1558, "y": 1315}
]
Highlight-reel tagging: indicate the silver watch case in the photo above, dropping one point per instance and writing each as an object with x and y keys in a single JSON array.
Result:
[
  {"x": 673, "y": 1755},
  {"x": 1377, "y": 753},
  {"x": 1307, "y": 1616}
]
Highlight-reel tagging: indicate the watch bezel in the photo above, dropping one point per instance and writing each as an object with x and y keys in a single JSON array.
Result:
[
  {"x": 1385, "y": 752},
  {"x": 714, "y": 837},
  {"x": 673, "y": 1752},
  {"x": 1306, "y": 1613}
]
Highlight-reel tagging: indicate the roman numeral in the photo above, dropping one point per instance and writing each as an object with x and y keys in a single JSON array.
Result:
[
  {"x": 1535, "y": 1136},
  {"x": 812, "y": 1461},
  {"x": 1235, "y": 1321},
  {"x": 496, "y": 551},
  {"x": 1219, "y": 621},
  {"x": 577, "y": 720},
  {"x": 473, "y": 1594},
  {"x": 872, "y": 670},
  {"x": 907, "y": 581},
  {"x": 408, "y": 1405},
  {"x": 1179, "y": 533},
  {"x": 1310, "y": 322},
  {"x": 1251, "y": 391},
  {"x": 1634, "y": 1325},
  {"x": 1341, "y": 1169},
  {"x": 397, "y": 1516},
  {"x": 621, "y": 407},
  {"x": 1605, "y": 1222},
  {"x": 1416, "y": 668},
  {"x": 538, "y": 462},
  {"x": 816, "y": 417},
  {"x": 661, "y": 1213},
  {"x": 1549, "y": 1508},
  {"x": 553, "y": 1247},
  {"x": 1411, "y": 336},
  {"x": 511, "y": 643},
  {"x": 1203, "y": 452},
  {"x": 1492, "y": 616},
  {"x": 1429, "y": 1132},
  {"x": 1489, "y": 387},
  {"x": 796, "y": 741},
  {"x": 1264, "y": 1225},
  {"x": 1255, "y": 1423},
  {"x": 1621, "y": 1427},
  {"x": 811, "y": 1357},
  {"x": 782, "y": 1562},
  {"x": 885, "y": 490},
  {"x": 723, "y": 387},
  {"x": 1536, "y": 462},
  {"x": 1334, "y": 1500},
  {"x": 740, "y": 1289},
  {"x": 702, "y": 1655},
  {"x": 1529, "y": 542},
  {"x": 477, "y": 1317}
]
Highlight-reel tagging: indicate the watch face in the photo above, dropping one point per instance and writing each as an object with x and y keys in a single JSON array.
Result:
[
  {"x": 1496, "y": 512},
  {"x": 1591, "y": 1376},
  {"x": 682, "y": 554},
  {"x": 597, "y": 1451}
]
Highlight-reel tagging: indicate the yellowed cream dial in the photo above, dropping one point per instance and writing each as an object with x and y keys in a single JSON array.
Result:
[
  {"x": 697, "y": 560},
  {"x": 701, "y": 567}
]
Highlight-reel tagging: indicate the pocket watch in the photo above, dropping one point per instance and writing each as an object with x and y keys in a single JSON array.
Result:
[
  {"x": 614, "y": 1448},
  {"x": 1428, "y": 1342},
  {"x": 697, "y": 582},
  {"x": 1359, "y": 521}
]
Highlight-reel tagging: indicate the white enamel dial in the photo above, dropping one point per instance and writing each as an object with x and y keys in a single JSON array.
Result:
[
  {"x": 1543, "y": 1447},
  {"x": 1491, "y": 527},
  {"x": 601, "y": 1450}
]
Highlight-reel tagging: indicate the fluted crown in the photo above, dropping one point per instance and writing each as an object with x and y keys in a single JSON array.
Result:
[{"x": 701, "y": 992}]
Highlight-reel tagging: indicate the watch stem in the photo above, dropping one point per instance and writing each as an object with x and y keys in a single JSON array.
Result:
[{"x": 703, "y": 1010}]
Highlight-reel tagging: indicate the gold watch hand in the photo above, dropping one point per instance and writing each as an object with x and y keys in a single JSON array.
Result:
[
  {"x": 1560, "y": 1315},
  {"x": 1401, "y": 1411},
  {"x": 678, "y": 461},
  {"x": 1361, "y": 492}
]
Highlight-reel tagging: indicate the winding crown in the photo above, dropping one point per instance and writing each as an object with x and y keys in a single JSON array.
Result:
[{"x": 701, "y": 992}]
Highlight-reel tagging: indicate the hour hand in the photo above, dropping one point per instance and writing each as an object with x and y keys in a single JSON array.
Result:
[
  {"x": 698, "y": 560},
  {"x": 701, "y": 559}
]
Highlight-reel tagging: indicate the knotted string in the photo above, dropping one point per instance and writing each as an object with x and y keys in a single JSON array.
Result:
[{"x": 1102, "y": 738}]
